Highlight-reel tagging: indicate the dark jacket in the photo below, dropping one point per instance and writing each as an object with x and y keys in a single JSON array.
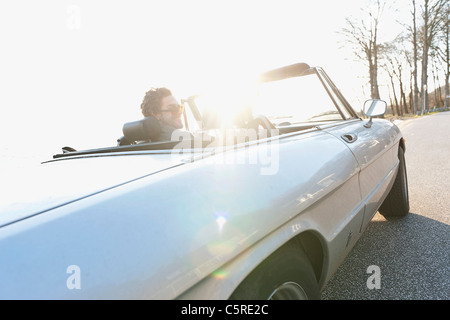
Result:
[{"x": 169, "y": 133}]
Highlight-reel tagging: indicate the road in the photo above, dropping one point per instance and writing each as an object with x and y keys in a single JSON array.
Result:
[{"x": 412, "y": 254}]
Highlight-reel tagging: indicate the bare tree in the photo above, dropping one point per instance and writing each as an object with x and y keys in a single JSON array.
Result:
[
  {"x": 432, "y": 20},
  {"x": 443, "y": 52},
  {"x": 409, "y": 74},
  {"x": 363, "y": 35},
  {"x": 435, "y": 72},
  {"x": 415, "y": 58},
  {"x": 389, "y": 65},
  {"x": 396, "y": 61},
  {"x": 447, "y": 56}
]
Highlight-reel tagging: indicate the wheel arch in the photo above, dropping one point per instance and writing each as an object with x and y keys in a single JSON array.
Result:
[
  {"x": 312, "y": 244},
  {"x": 233, "y": 274},
  {"x": 308, "y": 243}
]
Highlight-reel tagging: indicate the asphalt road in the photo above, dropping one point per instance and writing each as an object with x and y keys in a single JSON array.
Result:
[{"x": 413, "y": 253}]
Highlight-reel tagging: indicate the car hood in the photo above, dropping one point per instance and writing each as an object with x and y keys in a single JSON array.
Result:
[{"x": 41, "y": 187}]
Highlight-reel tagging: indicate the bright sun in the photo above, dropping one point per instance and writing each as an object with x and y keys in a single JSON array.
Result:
[{"x": 225, "y": 96}]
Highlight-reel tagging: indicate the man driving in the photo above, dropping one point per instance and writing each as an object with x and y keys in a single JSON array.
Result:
[{"x": 161, "y": 104}]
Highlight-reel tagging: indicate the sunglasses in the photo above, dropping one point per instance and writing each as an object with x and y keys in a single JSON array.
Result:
[{"x": 174, "y": 108}]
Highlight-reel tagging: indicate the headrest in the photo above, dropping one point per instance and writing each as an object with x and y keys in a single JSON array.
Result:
[{"x": 144, "y": 129}]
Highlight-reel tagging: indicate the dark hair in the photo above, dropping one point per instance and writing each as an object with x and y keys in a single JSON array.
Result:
[{"x": 152, "y": 100}]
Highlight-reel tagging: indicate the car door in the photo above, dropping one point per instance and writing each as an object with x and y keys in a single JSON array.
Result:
[
  {"x": 372, "y": 146},
  {"x": 376, "y": 155}
]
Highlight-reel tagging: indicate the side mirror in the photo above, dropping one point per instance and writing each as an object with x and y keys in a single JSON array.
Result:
[{"x": 373, "y": 108}]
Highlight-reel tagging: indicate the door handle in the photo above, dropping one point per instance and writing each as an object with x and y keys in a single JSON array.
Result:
[{"x": 349, "y": 137}]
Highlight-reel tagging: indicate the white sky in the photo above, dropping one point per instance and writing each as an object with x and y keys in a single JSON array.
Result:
[{"x": 72, "y": 72}]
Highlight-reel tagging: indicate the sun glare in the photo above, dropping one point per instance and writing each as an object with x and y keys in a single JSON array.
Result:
[{"x": 226, "y": 101}]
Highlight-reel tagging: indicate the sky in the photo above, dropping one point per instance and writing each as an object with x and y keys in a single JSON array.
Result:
[{"x": 73, "y": 72}]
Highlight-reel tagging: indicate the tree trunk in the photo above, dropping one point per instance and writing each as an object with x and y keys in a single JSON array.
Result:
[
  {"x": 403, "y": 104},
  {"x": 424, "y": 80},
  {"x": 415, "y": 76},
  {"x": 447, "y": 56},
  {"x": 395, "y": 96}
]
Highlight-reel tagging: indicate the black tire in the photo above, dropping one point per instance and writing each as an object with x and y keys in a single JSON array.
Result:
[
  {"x": 396, "y": 203},
  {"x": 285, "y": 275}
]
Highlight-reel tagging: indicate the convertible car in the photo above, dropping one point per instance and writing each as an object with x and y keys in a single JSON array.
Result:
[{"x": 263, "y": 199}]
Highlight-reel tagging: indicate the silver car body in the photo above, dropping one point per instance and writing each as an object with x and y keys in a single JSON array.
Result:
[{"x": 155, "y": 224}]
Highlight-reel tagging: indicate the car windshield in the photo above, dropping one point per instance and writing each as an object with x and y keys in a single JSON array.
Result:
[
  {"x": 295, "y": 100},
  {"x": 289, "y": 101}
]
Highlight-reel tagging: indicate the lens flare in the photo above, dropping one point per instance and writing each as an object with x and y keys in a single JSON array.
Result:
[
  {"x": 221, "y": 219},
  {"x": 220, "y": 274},
  {"x": 221, "y": 222}
]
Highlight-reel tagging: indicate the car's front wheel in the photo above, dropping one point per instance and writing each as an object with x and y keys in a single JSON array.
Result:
[
  {"x": 396, "y": 203},
  {"x": 285, "y": 275}
]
